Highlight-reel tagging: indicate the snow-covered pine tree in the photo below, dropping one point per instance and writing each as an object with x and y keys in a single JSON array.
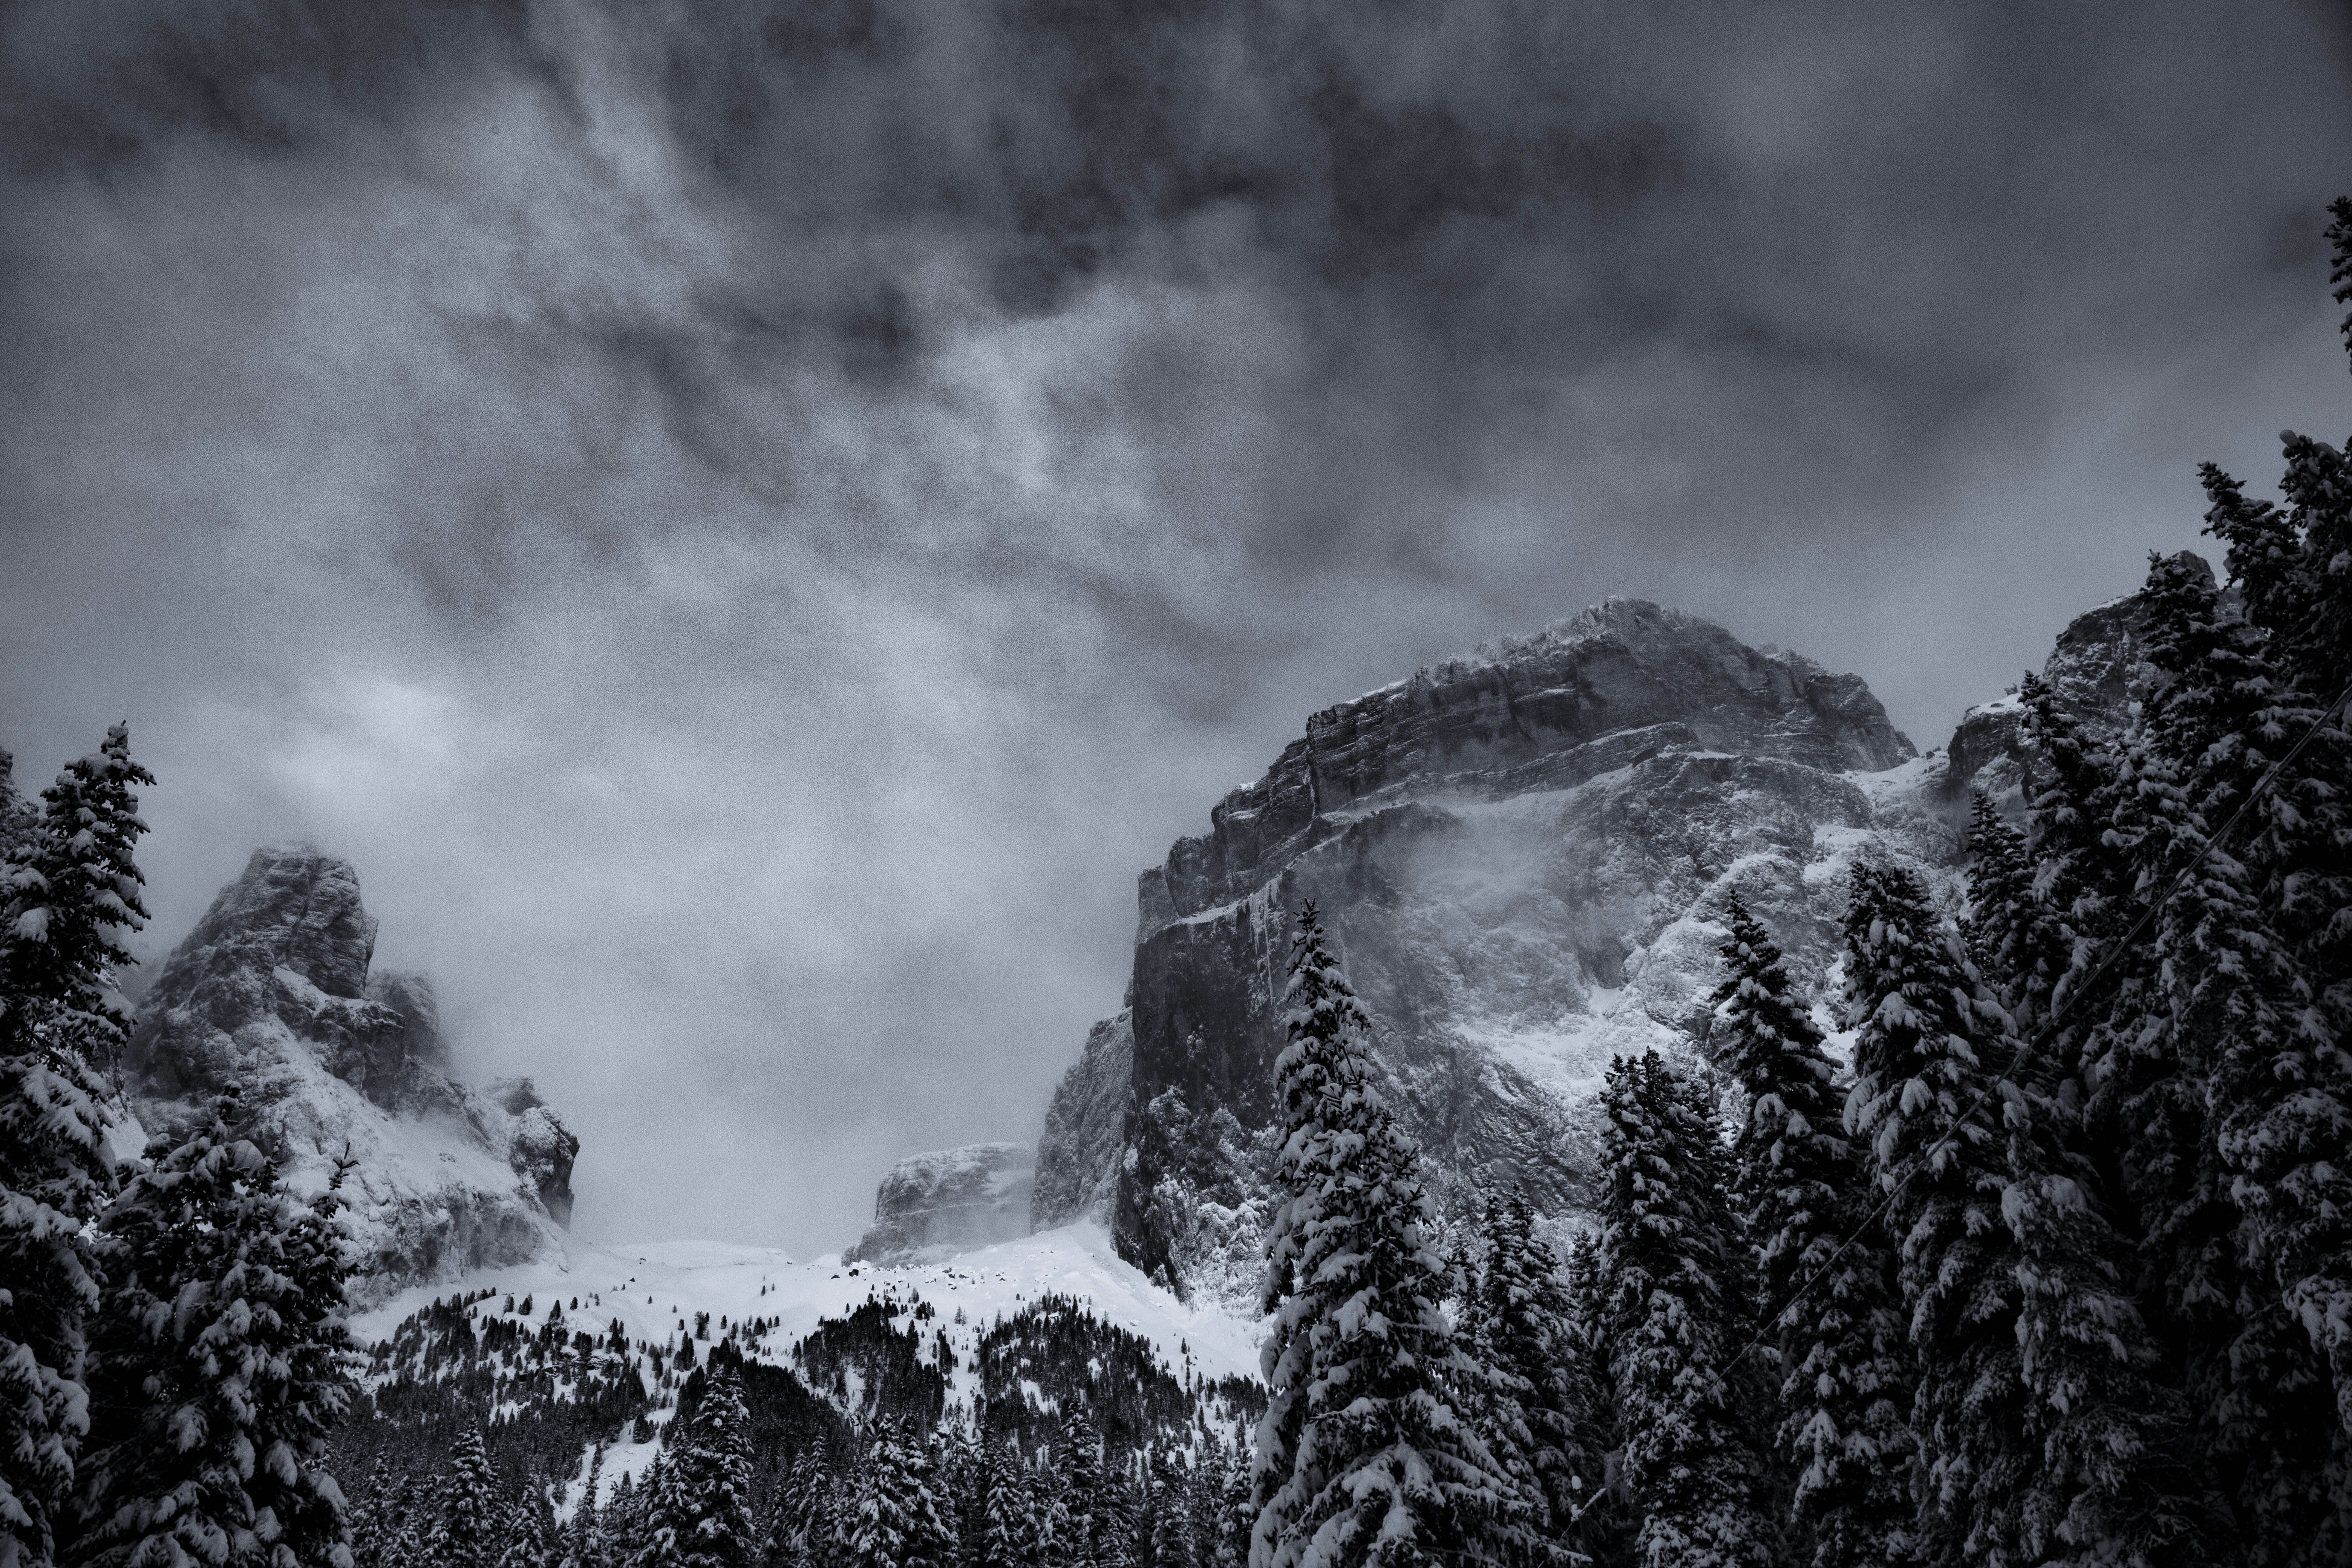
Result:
[
  {"x": 1228, "y": 1544},
  {"x": 1675, "y": 1293},
  {"x": 1541, "y": 1428},
  {"x": 2013, "y": 938},
  {"x": 901, "y": 1520},
  {"x": 2046, "y": 1436},
  {"x": 71, "y": 886},
  {"x": 1363, "y": 1456},
  {"x": 1792, "y": 1165},
  {"x": 1843, "y": 1371},
  {"x": 650, "y": 1539},
  {"x": 2283, "y": 1096},
  {"x": 1170, "y": 1540},
  {"x": 220, "y": 1363},
  {"x": 531, "y": 1526},
  {"x": 470, "y": 1531},
  {"x": 798, "y": 1539},
  {"x": 1048, "y": 1507},
  {"x": 1009, "y": 1534},
  {"x": 709, "y": 1512},
  {"x": 1077, "y": 1456},
  {"x": 1919, "y": 1037},
  {"x": 71, "y": 890},
  {"x": 2215, "y": 1065}
]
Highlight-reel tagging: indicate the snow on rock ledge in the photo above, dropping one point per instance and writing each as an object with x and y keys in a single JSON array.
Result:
[
  {"x": 934, "y": 1205},
  {"x": 272, "y": 991}
]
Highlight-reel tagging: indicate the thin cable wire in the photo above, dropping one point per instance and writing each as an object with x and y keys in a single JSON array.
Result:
[{"x": 2049, "y": 1027}]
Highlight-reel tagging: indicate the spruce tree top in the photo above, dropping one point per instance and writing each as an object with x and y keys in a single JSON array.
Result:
[{"x": 70, "y": 889}]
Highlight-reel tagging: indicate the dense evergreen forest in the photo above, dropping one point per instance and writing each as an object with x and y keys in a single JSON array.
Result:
[{"x": 2057, "y": 1270}]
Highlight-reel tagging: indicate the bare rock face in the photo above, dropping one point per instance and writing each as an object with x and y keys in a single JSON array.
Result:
[
  {"x": 934, "y": 1205},
  {"x": 2098, "y": 668},
  {"x": 1077, "y": 1158},
  {"x": 1586, "y": 697},
  {"x": 272, "y": 991},
  {"x": 1521, "y": 856}
]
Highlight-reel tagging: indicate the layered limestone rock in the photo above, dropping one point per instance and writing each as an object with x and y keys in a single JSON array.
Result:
[
  {"x": 272, "y": 991},
  {"x": 935, "y": 1206},
  {"x": 1523, "y": 857}
]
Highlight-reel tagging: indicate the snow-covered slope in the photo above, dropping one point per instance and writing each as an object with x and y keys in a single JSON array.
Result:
[{"x": 660, "y": 1291}]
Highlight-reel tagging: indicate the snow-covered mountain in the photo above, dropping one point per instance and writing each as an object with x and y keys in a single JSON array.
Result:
[
  {"x": 1522, "y": 855},
  {"x": 273, "y": 991}
]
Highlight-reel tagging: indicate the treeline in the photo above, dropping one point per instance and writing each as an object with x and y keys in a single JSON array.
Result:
[{"x": 888, "y": 1494}]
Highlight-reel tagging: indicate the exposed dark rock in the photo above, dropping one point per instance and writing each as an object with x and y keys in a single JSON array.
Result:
[
  {"x": 2098, "y": 668},
  {"x": 930, "y": 1205}
]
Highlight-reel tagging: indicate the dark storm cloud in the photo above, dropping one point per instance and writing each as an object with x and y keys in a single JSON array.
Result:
[{"x": 750, "y": 522}]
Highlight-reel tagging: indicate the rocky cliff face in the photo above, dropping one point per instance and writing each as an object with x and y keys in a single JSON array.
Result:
[
  {"x": 1522, "y": 856},
  {"x": 933, "y": 1205},
  {"x": 1077, "y": 1158},
  {"x": 273, "y": 991}
]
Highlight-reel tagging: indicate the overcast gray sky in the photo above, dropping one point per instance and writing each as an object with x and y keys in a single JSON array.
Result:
[{"x": 748, "y": 524}]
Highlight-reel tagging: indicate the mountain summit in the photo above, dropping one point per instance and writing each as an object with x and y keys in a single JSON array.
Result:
[
  {"x": 1520, "y": 856},
  {"x": 274, "y": 991}
]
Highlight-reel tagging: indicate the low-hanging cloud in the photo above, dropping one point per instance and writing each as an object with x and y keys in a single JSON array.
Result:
[{"x": 748, "y": 524}]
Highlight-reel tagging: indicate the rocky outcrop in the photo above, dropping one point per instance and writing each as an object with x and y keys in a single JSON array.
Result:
[
  {"x": 542, "y": 1149},
  {"x": 934, "y": 1205},
  {"x": 1521, "y": 856},
  {"x": 1579, "y": 699},
  {"x": 2098, "y": 668},
  {"x": 1078, "y": 1157},
  {"x": 273, "y": 992}
]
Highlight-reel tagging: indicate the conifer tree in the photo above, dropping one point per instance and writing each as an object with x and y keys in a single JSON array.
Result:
[
  {"x": 220, "y": 1365},
  {"x": 1791, "y": 1165},
  {"x": 1008, "y": 1522},
  {"x": 901, "y": 1520},
  {"x": 69, "y": 888},
  {"x": 1674, "y": 1292},
  {"x": 1917, "y": 1068},
  {"x": 530, "y": 1526},
  {"x": 1229, "y": 1543},
  {"x": 469, "y": 1533},
  {"x": 2036, "y": 1409},
  {"x": 1078, "y": 1458},
  {"x": 710, "y": 1496},
  {"x": 2013, "y": 939},
  {"x": 2217, "y": 1086},
  {"x": 1843, "y": 1371},
  {"x": 72, "y": 888},
  {"x": 798, "y": 1539},
  {"x": 1171, "y": 1541},
  {"x": 1363, "y": 1455},
  {"x": 1537, "y": 1413}
]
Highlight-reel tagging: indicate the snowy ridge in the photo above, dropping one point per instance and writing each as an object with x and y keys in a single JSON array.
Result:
[{"x": 654, "y": 1288}]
